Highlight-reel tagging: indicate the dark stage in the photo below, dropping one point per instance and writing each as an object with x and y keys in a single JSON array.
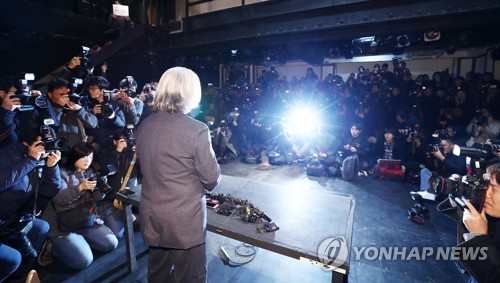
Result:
[{"x": 380, "y": 220}]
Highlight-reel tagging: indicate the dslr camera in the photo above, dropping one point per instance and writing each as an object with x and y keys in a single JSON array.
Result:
[
  {"x": 85, "y": 60},
  {"x": 102, "y": 178},
  {"x": 130, "y": 136},
  {"x": 102, "y": 182},
  {"x": 492, "y": 146},
  {"x": 106, "y": 109},
  {"x": 13, "y": 232},
  {"x": 73, "y": 96},
  {"x": 28, "y": 101},
  {"x": 49, "y": 140}
]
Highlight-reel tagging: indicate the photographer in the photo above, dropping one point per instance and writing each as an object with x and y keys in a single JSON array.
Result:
[
  {"x": 147, "y": 97},
  {"x": 482, "y": 127},
  {"x": 447, "y": 164},
  {"x": 22, "y": 192},
  {"x": 70, "y": 119},
  {"x": 484, "y": 231},
  {"x": 110, "y": 116},
  {"x": 8, "y": 103},
  {"x": 70, "y": 242},
  {"x": 126, "y": 98},
  {"x": 121, "y": 157}
]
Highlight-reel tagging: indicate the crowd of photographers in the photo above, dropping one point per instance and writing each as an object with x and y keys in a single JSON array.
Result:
[
  {"x": 65, "y": 152},
  {"x": 74, "y": 143}
]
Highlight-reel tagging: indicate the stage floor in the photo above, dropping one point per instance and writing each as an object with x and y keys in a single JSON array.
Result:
[{"x": 380, "y": 220}]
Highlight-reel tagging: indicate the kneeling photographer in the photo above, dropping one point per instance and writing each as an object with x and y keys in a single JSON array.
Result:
[
  {"x": 484, "y": 231},
  {"x": 22, "y": 190},
  {"x": 447, "y": 165},
  {"x": 75, "y": 229}
]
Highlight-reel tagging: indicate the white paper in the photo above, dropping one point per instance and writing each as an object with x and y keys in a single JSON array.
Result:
[{"x": 120, "y": 10}]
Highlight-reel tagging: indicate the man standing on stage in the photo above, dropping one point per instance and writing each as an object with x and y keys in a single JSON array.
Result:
[{"x": 177, "y": 164}]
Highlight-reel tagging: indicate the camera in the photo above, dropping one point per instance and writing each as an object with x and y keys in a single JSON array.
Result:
[
  {"x": 73, "y": 96},
  {"x": 480, "y": 119},
  {"x": 470, "y": 188},
  {"x": 13, "y": 233},
  {"x": 130, "y": 136},
  {"x": 85, "y": 60},
  {"x": 50, "y": 142},
  {"x": 432, "y": 148},
  {"x": 28, "y": 101},
  {"x": 106, "y": 109},
  {"x": 102, "y": 183},
  {"x": 493, "y": 146}
]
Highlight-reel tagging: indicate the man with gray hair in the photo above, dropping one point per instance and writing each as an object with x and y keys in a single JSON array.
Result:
[{"x": 178, "y": 164}]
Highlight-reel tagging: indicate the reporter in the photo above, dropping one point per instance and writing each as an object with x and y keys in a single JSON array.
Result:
[
  {"x": 74, "y": 247},
  {"x": 484, "y": 231},
  {"x": 448, "y": 164},
  {"x": 19, "y": 183}
]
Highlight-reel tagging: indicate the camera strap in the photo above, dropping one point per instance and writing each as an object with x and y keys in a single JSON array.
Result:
[{"x": 116, "y": 203}]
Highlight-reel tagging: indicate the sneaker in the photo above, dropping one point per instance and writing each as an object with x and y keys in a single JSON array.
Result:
[
  {"x": 425, "y": 195},
  {"x": 45, "y": 256}
]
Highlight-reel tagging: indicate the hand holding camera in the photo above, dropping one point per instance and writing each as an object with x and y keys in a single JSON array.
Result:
[
  {"x": 36, "y": 150},
  {"x": 72, "y": 106},
  {"x": 53, "y": 158},
  {"x": 87, "y": 185},
  {"x": 474, "y": 221},
  {"x": 121, "y": 145},
  {"x": 11, "y": 103}
]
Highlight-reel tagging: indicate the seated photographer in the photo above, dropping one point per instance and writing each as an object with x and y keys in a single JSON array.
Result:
[
  {"x": 72, "y": 239},
  {"x": 323, "y": 148},
  {"x": 110, "y": 116},
  {"x": 483, "y": 127},
  {"x": 388, "y": 148},
  {"x": 355, "y": 142},
  {"x": 446, "y": 165},
  {"x": 276, "y": 148},
  {"x": 484, "y": 231},
  {"x": 21, "y": 193}
]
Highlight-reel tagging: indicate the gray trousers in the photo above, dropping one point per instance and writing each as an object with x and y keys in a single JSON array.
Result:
[{"x": 176, "y": 266}]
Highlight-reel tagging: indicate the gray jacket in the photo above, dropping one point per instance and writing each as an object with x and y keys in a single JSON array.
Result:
[
  {"x": 67, "y": 198},
  {"x": 177, "y": 163}
]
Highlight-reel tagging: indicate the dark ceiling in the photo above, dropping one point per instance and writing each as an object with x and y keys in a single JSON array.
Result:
[{"x": 39, "y": 37}]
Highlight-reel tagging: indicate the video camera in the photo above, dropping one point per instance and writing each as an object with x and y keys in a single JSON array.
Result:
[{"x": 49, "y": 140}]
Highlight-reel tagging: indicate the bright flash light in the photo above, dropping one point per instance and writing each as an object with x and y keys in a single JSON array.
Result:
[{"x": 303, "y": 121}]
